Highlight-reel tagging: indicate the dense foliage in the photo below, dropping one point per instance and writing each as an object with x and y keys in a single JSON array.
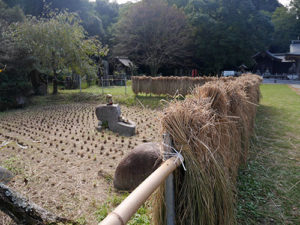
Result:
[
  {"x": 158, "y": 36},
  {"x": 153, "y": 34},
  {"x": 228, "y": 33},
  {"x": 14, "y": 62},
  {"x": 58, "y": 44}
]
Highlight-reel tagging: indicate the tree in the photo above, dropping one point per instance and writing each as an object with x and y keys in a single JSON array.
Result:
[
  {"x": 10, "y": 15},
  {"x": 32, "y": 7},
  {"x": 153, "y": 34},
  {"x": 286, "y": 28},
  {"x": 266, "y": 5},
  {"x": 58, "y": 44},
  {"x": 295, "y": 7},
  {"x": 14, "y": 61},
  {"x": 227, "y": 33},
  {"x": 108, "y": 12}
]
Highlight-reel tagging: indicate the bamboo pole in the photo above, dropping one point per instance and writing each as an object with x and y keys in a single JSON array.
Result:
[{"x": 133, "y": 202}]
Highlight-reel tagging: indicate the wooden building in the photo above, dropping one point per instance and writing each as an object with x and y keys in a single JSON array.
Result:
[
  {"x": 273, "y": 63},
  {"x": 122, "y": 65}
]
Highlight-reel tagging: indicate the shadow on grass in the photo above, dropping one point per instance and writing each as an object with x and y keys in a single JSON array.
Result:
[{"x": 266, "y": 188}]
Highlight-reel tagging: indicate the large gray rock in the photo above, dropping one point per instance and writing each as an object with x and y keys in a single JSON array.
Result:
[
  {"x": 5, "y": 175},
  {"x": 137, "y": 166},
  {"x": 111, "y": 114}
]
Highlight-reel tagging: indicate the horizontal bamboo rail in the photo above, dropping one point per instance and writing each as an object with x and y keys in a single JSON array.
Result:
[{"x": 122, "y": 214}]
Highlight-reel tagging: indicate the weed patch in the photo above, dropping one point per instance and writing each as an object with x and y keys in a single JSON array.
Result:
[{"x": 141, "y": 216}]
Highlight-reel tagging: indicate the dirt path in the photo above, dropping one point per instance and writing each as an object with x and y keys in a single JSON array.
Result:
[{"x": 295, "y": 87}]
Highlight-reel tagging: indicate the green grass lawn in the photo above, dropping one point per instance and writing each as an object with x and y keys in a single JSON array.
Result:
[
  {"x": 269, "y": 186},
  {"x": 96, "y": 94}
]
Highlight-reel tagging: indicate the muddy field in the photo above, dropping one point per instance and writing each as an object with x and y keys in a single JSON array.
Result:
[{"x": 61, "y": 162}]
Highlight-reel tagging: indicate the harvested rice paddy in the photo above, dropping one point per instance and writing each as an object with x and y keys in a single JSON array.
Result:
[
  {"x": 58, "y": 161},
  {"x": 61, "y": 162}
]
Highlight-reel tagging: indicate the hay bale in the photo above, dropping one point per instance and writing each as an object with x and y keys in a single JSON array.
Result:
[
  {"x": 135, "y": 84},
  {"x": 211, "y": 128},
  {"x": 167, "y": 85}
]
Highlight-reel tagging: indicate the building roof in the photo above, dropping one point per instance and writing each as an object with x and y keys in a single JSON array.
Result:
[
  {"x": 280, "y": 57},
  {"x": 292, "y": 56},
  {"x": 283, "y": 57},
  {"x": 268, "y": 54},
  {"x": 125, "y": 61}
]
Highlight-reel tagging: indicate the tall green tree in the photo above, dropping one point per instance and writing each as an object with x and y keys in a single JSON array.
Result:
[
  {"x": 108, "y": 12},
  {"x": 9, "y": 15},
  {"x": 153, "y": 34},
  {"x": 15, "y": 63},
  {"x": 58, "y": 44},
  {"x": 91, "y": 21},
  {"x": 228, "y": 33},
  {"x": 295, "y": 7},
  {"x": 32, "y": 7},
  {"x": 286, "y": 28},
  {"x": 266, "y": 5}
]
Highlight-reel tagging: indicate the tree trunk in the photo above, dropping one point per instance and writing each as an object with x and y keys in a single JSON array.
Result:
[
  {"x": 55, "y": 84},
  {"x": 154, "y": 69},
  {"x": 54, "y": 74},
  {"x": 24, "y": 212}
]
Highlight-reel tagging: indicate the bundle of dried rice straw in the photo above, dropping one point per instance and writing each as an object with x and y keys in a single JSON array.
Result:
[{"x": 212, "y": 128}]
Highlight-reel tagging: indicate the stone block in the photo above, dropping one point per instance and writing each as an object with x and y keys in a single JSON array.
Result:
[
  {"x": 108, "y": 112},
  {"x": 111, "y": 114}
]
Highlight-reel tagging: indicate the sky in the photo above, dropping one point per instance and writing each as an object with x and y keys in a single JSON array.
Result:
[
  {"x": 284, "y": 2},
  {"x": 119, "y": 1}
]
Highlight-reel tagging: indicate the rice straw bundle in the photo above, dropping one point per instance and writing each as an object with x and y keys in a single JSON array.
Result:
[
  {"x": 167, "y": 85},
  {"x": 211, "y": 128}
]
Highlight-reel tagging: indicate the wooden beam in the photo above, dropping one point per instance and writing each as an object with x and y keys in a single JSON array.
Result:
[{"x": 24, "y": 212}]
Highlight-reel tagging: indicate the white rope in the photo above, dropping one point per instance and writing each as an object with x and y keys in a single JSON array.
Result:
[
  {"x": 176, "y": 153},
  {"x": 21, "y": 146},
  {"x": 4, "y": 143}
]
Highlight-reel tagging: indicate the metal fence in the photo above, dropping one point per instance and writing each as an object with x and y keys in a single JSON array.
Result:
[{"x": 106, "y": 84}]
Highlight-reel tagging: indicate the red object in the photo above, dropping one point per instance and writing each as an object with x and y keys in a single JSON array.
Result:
[{"x": 194, "y": 73}]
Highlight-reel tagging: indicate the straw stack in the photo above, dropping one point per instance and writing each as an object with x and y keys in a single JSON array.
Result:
[
  {"x": 167, "y": 85},
  {"x": 212, "y": 128}
]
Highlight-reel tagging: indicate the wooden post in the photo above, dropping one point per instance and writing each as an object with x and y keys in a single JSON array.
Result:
[
  {"x": 102, "y": 80},
  {"x": 122, "y": 214},
  {"x": 169, "y": 185},
  {"x": 125, "y": 80},
  {"x": 80, "y": 83},
  {"x": 22, "y": 211}
]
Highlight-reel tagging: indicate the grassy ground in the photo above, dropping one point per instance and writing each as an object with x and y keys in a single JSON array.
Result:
[
  {"x": 96, "y": 94},
  {"x": 269, "y": 186}
]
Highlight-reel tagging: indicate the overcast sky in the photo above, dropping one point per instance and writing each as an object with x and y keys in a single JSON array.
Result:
[{"x": 284, "y": 2}]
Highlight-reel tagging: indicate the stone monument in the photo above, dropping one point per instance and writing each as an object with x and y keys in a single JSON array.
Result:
[{"x": 109, "y": 116}]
